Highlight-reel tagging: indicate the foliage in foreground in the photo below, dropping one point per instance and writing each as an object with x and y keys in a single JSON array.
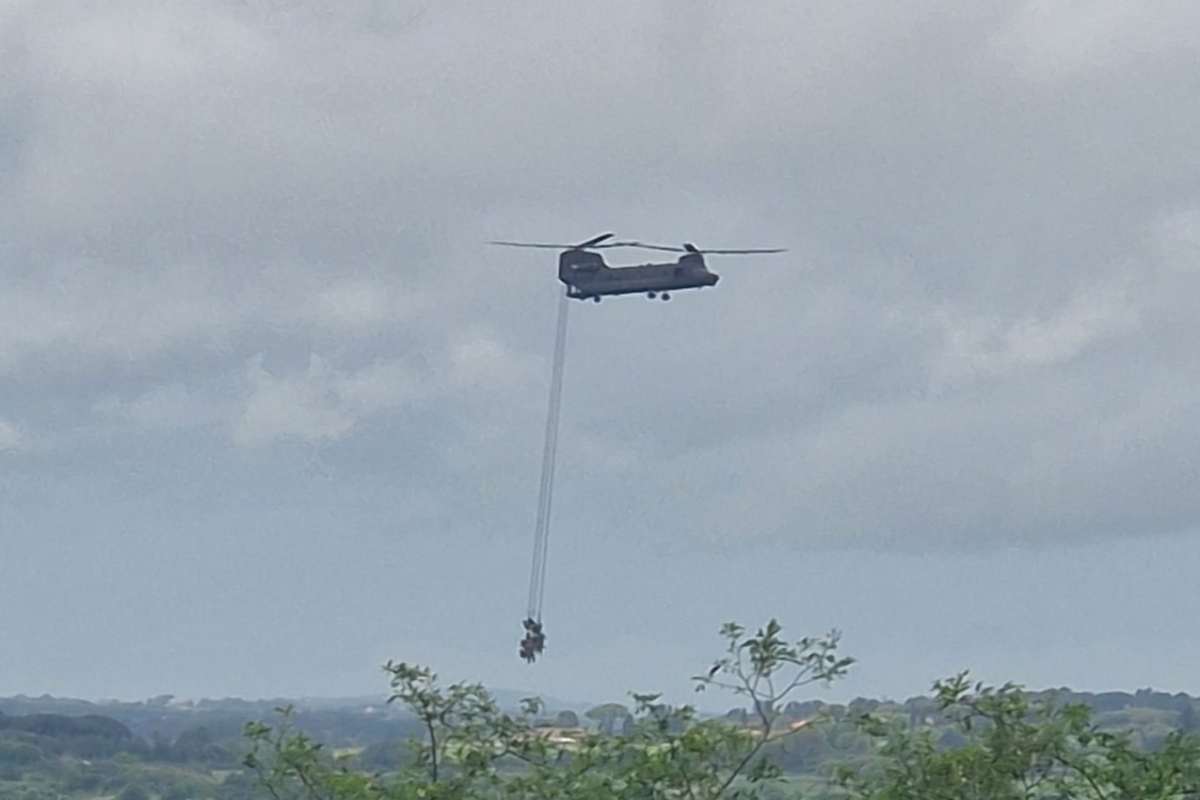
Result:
[
  {"x": 1010, "y": 747},
  {"x": 1001, "y": 744},
  {"x": 472, "y": 749}
]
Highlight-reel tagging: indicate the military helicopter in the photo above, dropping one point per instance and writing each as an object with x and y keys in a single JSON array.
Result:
[{"x": 588, "y": 277}]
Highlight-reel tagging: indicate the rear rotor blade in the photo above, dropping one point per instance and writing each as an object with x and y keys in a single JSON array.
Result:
[
  {"x": 645, "y": 246},
  {"x": 592, "y": 242},
  {"x": 742, "y": 252}
]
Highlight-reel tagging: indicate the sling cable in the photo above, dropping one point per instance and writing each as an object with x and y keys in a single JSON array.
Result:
[{"x": 535, "y": 638}]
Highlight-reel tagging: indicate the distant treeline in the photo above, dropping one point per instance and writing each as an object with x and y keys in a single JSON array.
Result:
[
  {"x": 926, "y": 707},
  {"x": 211, "y": 731},
  {"x": 158, "y": 719},
  {"x": 367, "y": 721}
]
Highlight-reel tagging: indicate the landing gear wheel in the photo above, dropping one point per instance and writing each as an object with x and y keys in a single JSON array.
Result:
[
  {"x": 650, "y": 295},
  {"x": 666, "y": 296},
  {"x": 595, "y": 298}
]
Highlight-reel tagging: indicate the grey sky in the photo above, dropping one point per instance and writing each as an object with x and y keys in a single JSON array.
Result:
[{"x": 270, "y": 411}]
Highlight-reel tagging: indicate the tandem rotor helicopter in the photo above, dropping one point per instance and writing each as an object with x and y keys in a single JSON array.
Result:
[
  {"x": 587, "y": 276},
  {"x": 581, "y": 267}
]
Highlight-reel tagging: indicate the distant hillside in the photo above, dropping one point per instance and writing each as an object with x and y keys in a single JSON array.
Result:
[{"x": 369, "y": 719}]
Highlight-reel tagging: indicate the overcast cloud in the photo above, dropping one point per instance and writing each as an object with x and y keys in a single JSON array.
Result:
[{"x": 262, "y": 384}]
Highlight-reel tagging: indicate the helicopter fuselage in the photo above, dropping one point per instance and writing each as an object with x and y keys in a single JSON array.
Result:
[{"x": 587, "y": 276}]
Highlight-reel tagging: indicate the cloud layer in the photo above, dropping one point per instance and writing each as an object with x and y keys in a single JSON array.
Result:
[
  {"x": 976, "y": 337},
  {"x": 246, "y": 285}
]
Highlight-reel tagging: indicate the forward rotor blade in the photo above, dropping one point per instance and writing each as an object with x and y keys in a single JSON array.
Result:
[{"x": 536, "y": 244}]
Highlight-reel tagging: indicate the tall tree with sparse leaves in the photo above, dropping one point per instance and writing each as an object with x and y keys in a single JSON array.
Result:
[{"x": 473, "y": 749}]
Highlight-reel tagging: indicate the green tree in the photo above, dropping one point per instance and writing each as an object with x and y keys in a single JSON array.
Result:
[
  {"x": 472, "y": 749},
  {"x": 1012, "y": 747}
]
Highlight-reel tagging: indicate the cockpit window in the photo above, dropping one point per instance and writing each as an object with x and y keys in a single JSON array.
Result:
[{"x": 583, "y": 262}]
